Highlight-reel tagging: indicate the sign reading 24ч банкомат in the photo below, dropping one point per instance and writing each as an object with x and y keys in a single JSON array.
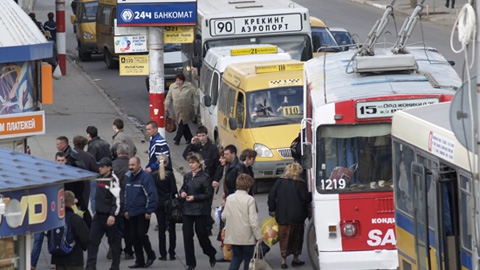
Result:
[{"x": 156, "y": 12}]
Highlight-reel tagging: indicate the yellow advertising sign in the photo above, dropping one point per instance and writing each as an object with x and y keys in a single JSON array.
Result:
[
  {"x": 276, "y": 68},
  {"x": 249, "y": 51},
  {"x": 178, "y": 34},
  {"x": 134, "y": 65}
]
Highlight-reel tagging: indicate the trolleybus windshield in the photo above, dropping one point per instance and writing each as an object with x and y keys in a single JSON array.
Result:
[{"x": 354, "y": 158}]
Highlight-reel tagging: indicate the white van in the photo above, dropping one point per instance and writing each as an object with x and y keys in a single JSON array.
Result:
[{"x": 214, "y": 64}]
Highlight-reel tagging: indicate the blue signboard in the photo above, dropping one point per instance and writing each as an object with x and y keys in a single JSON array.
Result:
[
  {"x": 157, "y": 14},
  {"x": 32, "y": 210}
]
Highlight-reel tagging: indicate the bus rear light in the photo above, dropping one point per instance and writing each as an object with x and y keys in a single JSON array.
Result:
[
  {"x": 349, "y": 228},
  {"x": 332, "y": 231}
]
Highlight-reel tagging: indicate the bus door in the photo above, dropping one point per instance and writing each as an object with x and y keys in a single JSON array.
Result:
[
  {"x": 420, "y": 217},
  {"x": 436, "y": 224}
]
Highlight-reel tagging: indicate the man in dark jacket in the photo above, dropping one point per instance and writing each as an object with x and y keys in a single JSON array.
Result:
[
  {"x": 99, "y": 149},
  {"x": 140, "y": 202},
  {"x": 105, "y": 220},
  {"x": 120, "y": 168},
  {"x": 202, "y": 145},
  {"x": 51, "y": 26},
  {"x": 234, "y": 168},
  {"x": 73, "y": 159},
  {"x": 74, "y": 259},
  {"x": 88, "y": 159}
]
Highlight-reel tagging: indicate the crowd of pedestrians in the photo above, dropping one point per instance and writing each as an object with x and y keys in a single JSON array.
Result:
[{"x": 125, "y": 195}]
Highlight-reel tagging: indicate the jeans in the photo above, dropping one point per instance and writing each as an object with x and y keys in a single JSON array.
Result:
[
  {"x": 37, "y": 247},
  {"x": 239, "y": 254}
]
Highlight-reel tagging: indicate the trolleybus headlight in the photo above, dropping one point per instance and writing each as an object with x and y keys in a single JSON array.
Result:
[
  {"x": 262, "y": 150},
  {"x": 349, "y": 228}
]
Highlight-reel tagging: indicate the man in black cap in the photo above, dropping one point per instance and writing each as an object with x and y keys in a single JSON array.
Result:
[{"x": 106, "y": 217}]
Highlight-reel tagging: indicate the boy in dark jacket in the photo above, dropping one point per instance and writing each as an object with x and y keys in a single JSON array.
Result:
[
  {"x": 106, "y": 218},
  {"x": 74, "y": 260}
]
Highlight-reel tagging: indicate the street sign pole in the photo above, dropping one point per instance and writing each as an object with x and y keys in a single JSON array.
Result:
[{"x": 157, "y": 81}]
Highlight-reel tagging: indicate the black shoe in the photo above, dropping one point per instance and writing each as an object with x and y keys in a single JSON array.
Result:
[
  {"x": 137, "y": 265},
  {"x": 446, "y": 5},
  {"x": 222, "y": 260},
  {"x": 284, "y": 266},
  {"x": 172, "y": 257},
  {"x": 176, "y": 143},
  {"x": 212, "y": 261},
  {"x": 163, "y": 258},
  {"x": 149, "y": 262},
  {"x": 190, "y": 267},
  {"x": 297, "y": 263}
]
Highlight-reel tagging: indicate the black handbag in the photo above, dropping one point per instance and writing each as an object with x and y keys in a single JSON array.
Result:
[
  {"x": 173, "y": 210},
  {"x": 174, "y": 206}
]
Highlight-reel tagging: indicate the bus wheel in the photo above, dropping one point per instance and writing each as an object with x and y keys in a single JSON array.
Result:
[
  {"x": 109, "y": 61},
  {"x": 312, "y": 245}
]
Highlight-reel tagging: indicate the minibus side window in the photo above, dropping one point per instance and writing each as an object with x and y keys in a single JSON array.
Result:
[
  {"x": 214, "y": 86},
  {"x": 231, "y": 102},
  {"x": 240, "y": 110}
]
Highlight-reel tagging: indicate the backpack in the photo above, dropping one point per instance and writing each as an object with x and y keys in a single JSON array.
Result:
[{"x": 61, "y": 241}]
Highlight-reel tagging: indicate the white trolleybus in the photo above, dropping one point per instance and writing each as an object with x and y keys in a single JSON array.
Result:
[
  {"x": 346, "y": 145},
  {"x": 282, "y": 23},
  {"x": 436, "y": 206}
]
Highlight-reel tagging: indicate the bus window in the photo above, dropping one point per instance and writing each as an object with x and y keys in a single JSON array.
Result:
[
  {"x": 404, "y": 156},
  {"x": 214, "y": 87},
  {"x": 240, "y": 113}
]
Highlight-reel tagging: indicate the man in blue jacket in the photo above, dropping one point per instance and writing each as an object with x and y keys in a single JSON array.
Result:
[
  {"x": 158, "y": 145},
  {"x": 140, "y": 202}
]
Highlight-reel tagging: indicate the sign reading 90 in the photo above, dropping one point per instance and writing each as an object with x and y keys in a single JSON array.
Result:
[{"x": 223, "y": 27}]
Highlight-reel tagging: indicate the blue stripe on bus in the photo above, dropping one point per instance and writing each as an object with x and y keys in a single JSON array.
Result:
[
  {"x": 466, "y": 259},
  {"x": 406, "y": 223}
]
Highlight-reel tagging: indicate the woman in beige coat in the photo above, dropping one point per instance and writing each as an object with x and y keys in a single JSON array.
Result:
[
  {"x": 182, "y": 94},
  {"x": 241, "y": 228}
]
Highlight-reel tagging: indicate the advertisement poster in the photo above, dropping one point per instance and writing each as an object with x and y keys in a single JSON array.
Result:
[
  {"x": 16, "y": 87},
  {"x": 130, "y": 44}
]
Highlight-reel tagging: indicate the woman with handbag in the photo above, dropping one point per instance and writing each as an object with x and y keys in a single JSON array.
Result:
[
  {"x": 288, "y": 202},
  {"x": 197, "y": 191},
  {"x": 182, "y": 94},
  {"x": 166, "y": 190},
  {"x": 241, "y": 218}
]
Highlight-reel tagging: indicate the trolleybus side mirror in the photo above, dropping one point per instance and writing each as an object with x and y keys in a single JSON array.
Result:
[
  {"x": 307, "y": 156},
  {"x": 207, "y": 101},
  {"x": 232, "y": 123}
]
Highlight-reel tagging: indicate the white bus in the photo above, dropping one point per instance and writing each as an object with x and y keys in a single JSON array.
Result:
[{"x": 283, "y": 23}]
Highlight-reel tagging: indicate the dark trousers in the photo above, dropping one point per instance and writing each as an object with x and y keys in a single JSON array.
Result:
[
  {"x": 241, "y": 254},
  {"x": 124, "y": 228},
  {"x": 98, "y": 229},
  {"x": 200, "y": 223},
  {"x": 447, "y": 3},
  {"x": 183, "y": 130},
  {"x": 138, "y": 231},
  {"x": 163, "y": 224}
]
